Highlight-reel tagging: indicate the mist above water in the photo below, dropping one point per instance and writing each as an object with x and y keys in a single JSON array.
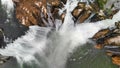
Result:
[{"x": 49, "y": 47}]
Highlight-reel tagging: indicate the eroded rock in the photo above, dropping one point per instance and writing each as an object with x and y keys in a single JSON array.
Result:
[
  {"x": 116, "y": 60},
  {"x": 111, "y": 39},
  {"x": 79, "y": 9},
  {"x": 28, "y": 17},
  {"x": 28, "y": 12},
  {"x": 100, "y": 34}
]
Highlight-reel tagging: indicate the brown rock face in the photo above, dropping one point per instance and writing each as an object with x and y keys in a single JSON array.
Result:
[
  {"x": 54, "y": 3},
  {"x": 34, "y": 12},
  {"x": 28, "y": 12},
  {"x": 101, "y": 33},
  {"x": 116, "y": 60},
  {"x": 111, "y": 39},
  {"x": 78, "y": 10},
  {"x": 85, "y": 16},
  {"x": 82, "y": 12}
]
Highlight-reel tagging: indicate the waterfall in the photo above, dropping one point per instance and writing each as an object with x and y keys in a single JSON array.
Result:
[
  {"x": 48, "y": 47},
  {"x": 8, "y": 5}
]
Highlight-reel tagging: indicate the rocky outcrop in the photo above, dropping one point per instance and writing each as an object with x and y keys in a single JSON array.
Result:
[
  {"x": 28, "y": 12},
  {"x": 110, "y": 40},
  {"x": 43, "y": 8},
  {"x": 101, "y": 34},
  {"x": 26, "y": 15},
  {"x": 92, "y": 12}
]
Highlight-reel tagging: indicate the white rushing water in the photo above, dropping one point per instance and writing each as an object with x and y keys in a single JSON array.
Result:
[
  {"x": 49, "y": 47},
  {"x": 8, "y": 5}
]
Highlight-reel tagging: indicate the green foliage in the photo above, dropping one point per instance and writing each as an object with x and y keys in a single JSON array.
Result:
[
  {"x": 108, "y": 11},
  {"x": 101, "y": 3}
]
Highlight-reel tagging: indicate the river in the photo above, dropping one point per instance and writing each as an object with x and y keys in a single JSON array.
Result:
[{"x": 68, "y": 46}]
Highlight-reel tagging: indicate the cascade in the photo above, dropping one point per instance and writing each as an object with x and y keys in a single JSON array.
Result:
[{"x": 48, "y": 47}]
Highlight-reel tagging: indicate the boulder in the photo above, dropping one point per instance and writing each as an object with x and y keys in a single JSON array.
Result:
[
  {"x": 116, "y": 60},
  {"x": 100, "y": 34},
  {"x": 117, "y": 24},
  {"x": 79, "y": 9},
  {"x": 110, "y": 40},
  {"x": 114, "y": 41},
  {"x": 26, "y": 15}
]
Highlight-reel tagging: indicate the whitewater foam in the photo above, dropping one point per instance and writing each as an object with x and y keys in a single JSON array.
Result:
[{"x": 8, "y": 5}]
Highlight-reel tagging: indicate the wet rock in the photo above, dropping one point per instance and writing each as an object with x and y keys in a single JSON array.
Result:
[
  {"x": 84, "y": 16},
  {"x": 113, "y": 41},
  {"x": 95, "y": 7},
  {"x": 110, "y": 41},
  {"x": 108, "y": 37},
  {"x": 113, "y": 51},
  {"x": 64, "y": 1},
  {"x": 100, "y": 34},
  {"x": 55, "y": 11},
  {"x": 62, "y": 17},
  {"x": 109, "y": 13},
  {"x": 98, "y": 16},
  {"x": 117, "y": 24},
  {"x": 103, "y": 14},
  {"x": 116, "y": 60},
  {"x": 28, "y": 17},
  {"x": 98, "y": 46},
  {"x": 84, "y": 11},
  {"x": 54, "y": 3},
  {"x": 117, "y": 30},
  {"x": 25, "y": 13},
  {"x": 79, "y": 9},
  {"x": 4, "y": 59}
]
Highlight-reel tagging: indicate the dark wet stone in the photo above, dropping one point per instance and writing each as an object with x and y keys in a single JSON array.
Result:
[
  {"x": 4, "y": 59},
  {"x": 2, "y": 43}
]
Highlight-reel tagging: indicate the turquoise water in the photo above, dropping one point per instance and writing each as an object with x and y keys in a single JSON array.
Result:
[{"x": 88, "y": 57}]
